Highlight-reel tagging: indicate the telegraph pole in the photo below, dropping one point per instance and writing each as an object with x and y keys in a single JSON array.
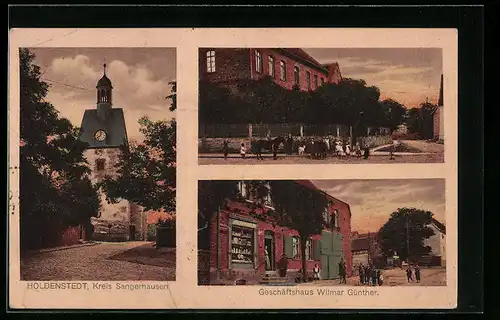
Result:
[{"x": 408, "y": 239}]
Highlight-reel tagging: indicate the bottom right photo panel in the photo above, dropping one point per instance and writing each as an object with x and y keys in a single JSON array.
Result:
[{"x": 359, "y": 232}]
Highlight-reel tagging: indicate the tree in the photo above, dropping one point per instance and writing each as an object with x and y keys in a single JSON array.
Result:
[
  {"x": 146, "y": 172},
  {"x": 295, "y": 206},
  {"x": 55, "y": 190},
  {"x": 405, "y": 232},
  {"x": 394, "y": 113},
  {"x": 173, "y": 95},
  {"x": 420, "y": 120}
]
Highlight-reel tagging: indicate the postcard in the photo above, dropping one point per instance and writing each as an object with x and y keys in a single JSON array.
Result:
[{"x": 233, "y": 168}]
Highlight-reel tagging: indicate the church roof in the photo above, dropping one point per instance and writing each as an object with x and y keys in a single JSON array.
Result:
[
  {"x": 104, "y": 82},
  {"x": 114, "y": 126}
]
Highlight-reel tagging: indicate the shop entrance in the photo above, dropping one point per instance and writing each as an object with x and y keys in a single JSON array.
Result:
[{"x": 269, "y": 251}]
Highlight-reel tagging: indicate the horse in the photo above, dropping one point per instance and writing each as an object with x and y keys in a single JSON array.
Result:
[
  {"x": 269, "y": 145},
  {"x": 318, "y": 149}
]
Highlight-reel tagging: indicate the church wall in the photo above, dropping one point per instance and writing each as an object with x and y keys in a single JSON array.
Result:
[{"x": 113, "y": 221}]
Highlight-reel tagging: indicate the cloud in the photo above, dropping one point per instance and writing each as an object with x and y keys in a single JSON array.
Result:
[
  {"x": 136, "y": 89},
  {"x": 372, "y": 201}
]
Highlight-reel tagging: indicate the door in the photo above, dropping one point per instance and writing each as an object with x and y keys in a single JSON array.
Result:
[
  {"x": 331, "y": 254},
  {"x": 270, "y": 251},
  {"x": 131, "y": 229}
]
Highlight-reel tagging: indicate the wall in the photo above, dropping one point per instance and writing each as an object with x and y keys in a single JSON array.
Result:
[
  {"x": 435, "y": 242},
  {"x": 441, "y": 123},
  {"x": 243, "y": 210},
  {"x": 230, "y": 65},
  {"x": 290, "y": 64},
  {"x": 115, "y": 214},
  {"x": 436, "y": 123},
  {"x": 359, "y": 258},
  {"x": 71, "y": 236}
]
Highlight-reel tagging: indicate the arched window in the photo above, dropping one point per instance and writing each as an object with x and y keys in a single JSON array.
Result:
[
  {"x": 100, "y": 164},
  {"x": 211, "y": 61},
  {"x": 336, "y": 218},
  {"x": 103, "y": 96}
]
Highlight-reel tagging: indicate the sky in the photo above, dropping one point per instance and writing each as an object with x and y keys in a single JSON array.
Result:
[
  {"x": 373, "y": 201},
  {"x": 140, "y": 78},
  {"x": 407, "y": 75}
]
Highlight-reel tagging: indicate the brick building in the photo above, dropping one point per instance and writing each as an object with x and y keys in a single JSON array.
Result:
[
  {"x": 288, "y": 67},
  {"x": 104, "y": 129},
  {"x": 438, "y": 116},
  {"x": 243, "y": 247}
]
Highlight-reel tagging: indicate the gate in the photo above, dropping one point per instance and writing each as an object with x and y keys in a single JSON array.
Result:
[{"x": 331, "y": 253}]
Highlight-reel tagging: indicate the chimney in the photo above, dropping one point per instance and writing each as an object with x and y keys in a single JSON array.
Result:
[{"x": 334, "y": 75}]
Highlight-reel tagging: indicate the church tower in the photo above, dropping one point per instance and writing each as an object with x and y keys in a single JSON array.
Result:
[{"x": 103, "y": 129}]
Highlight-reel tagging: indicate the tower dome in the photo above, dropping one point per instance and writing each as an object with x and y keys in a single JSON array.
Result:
[{"x": 104, "y": 81}]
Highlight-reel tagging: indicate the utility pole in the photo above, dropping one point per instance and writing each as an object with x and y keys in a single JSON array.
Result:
[{"x": 408, "y": 239}]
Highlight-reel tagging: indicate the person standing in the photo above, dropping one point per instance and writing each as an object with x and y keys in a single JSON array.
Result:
[
  {"x": 374, "y": 276},
  {"x": 225, "y": 149},
  {"x": 316, "y": 272},
  {"x": 367, "y": 274},
  {"x": 409, "y": 274},
  {"x": 283, "y": 266},
  {"x": 342, "y": 271},
  {"x": 289, "y": 145},
  {"x": 243, "y": 150},
  {"x": 361, "y": 271},
  {"x": 417, "y": 273}
]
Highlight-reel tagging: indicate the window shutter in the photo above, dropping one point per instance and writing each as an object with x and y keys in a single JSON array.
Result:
[
  {"x": 316, "y": 250},
  {"x": 288, "y": 246}
]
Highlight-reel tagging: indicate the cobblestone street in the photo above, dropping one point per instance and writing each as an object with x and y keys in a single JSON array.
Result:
[
  {"x": 395, "y": 277},
  {"x": 106, "y": 261},
  {"x": 218, "y": 159}
]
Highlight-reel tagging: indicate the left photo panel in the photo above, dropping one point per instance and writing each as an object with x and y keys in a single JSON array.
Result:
[{"x": 97, "y": 173}]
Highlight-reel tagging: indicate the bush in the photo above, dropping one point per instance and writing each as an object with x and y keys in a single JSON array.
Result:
[{"x": 151, "y": 236}]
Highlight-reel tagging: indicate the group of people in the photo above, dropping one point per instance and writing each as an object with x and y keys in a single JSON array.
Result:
[
  {"x": 369, "y": 275},
  {"x": 410, "y": 271}
]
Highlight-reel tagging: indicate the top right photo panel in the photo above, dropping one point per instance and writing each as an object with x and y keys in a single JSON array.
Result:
[{"x": 320, "y": 105}]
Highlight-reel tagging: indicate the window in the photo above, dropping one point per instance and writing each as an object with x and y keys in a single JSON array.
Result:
[
  {"x": 295, "y": 248},
  {"x": 271, "y": 67},
  {"x": 296, "y": 77},
  {"x": 267, "y": 199},
  {"x": 258, "y": 62},
  {"x": 315, "y": 81},
  {"x": 100, "y": 164},
  {"x": 243, "y": 189},
  {"x": 309, "y": 250},
  {"x": 242, "y": 244},
  {"x": 211, "y": 61},
  {"x": 282, "y": 70},
  {"x": 336, "y": 217},
  {"x": 308, "y": 79}
]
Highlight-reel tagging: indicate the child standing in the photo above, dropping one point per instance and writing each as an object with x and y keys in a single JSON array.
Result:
[
  {"x": 316, "y": 272},
  {"x": 243, "y": 150}
]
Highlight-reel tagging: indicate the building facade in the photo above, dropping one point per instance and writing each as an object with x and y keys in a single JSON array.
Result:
[
  {"x": 243, "y": 247},
  {"x": 437, "y": 242},
  {"x": 104, "y": 129},
  {"x": 289, "y": 68},
  {"x": 438, "y": 116}
]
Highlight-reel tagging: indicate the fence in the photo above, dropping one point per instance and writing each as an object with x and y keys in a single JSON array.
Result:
[{"x": 262, "y": 130}]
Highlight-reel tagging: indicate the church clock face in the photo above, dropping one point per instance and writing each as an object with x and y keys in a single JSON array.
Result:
[{"x": 100, "y": 135}]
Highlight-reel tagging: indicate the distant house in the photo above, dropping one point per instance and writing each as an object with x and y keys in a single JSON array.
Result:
[
  {"x": 438, "y": 116},
  {"x": 437, "y": 242},
  {"x": 365, "y": 249}
]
